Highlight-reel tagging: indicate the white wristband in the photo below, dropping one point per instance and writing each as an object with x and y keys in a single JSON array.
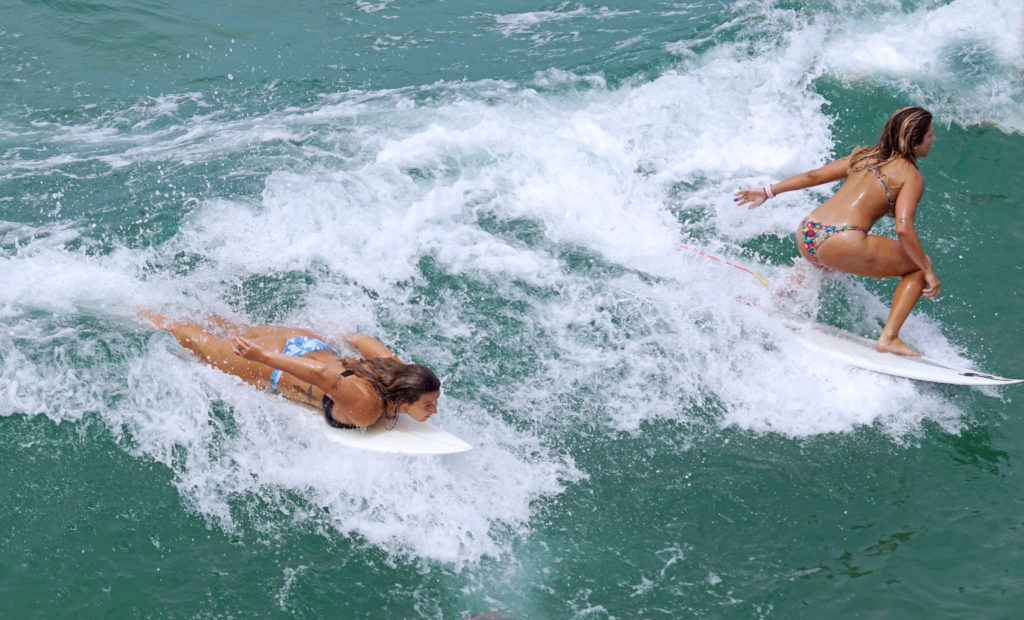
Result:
[{"x": 768, "y": 191}]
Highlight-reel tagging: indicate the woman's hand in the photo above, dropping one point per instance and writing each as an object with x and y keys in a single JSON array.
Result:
[
  {"x": 932, "y": 285},
  {"x": 753, "y": 197},
  {"x": 248, "y": 349}
]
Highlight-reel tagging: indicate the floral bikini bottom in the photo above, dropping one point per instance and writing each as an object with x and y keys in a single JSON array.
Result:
[{"x": 813, "y": 234}]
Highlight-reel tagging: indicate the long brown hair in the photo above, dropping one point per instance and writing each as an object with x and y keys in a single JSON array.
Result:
[
  {"x": 396, "y": 382},
  {"x": 904, "y": 130}
]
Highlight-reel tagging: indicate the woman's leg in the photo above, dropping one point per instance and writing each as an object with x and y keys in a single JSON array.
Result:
[
  {"x": 215, "y": 351},
  {"x": 228, "y": 328},
  {"x": 223, "y": 326},
  {"x": 875, "y": 256},
  {"x": 258, "y": 332},
  {"x": 907, "y": 292}
]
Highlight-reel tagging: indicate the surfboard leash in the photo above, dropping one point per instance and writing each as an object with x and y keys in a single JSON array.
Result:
[{"x": 715, "y": 258}]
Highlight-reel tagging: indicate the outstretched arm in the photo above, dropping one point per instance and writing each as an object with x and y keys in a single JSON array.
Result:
[
  {"x": 368, "y": 346},
  {"x": 828, "y": 173}
]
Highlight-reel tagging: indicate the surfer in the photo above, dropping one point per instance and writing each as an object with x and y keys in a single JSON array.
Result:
[
  {"x": 299, "y": 365},
  {"x": 880, "y": 180}
]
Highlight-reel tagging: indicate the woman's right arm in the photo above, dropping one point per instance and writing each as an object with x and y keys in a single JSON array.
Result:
[
  {"x": 303, "y": 368},
  {"x": 828, "y": 173},
  {"x": 361, "y": 408}
]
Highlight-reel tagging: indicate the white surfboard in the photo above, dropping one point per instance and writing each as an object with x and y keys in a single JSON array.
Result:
[
  {"x": 860, "y": 352},
  {"x": 407, "y": 436}
]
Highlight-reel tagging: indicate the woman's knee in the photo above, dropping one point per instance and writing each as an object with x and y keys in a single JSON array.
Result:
[
  {"x": 199, "y": 341},
  {"x": 186, "y": 333},
  {"x": 914, "y": 278}
]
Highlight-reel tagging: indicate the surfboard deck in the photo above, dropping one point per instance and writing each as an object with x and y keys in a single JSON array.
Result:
[
  {"x": 860, "y": 352},
  {"x": 407, "y": 436}
]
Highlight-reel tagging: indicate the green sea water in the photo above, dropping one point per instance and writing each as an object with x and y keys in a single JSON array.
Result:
[{"x": 499, "y": 192}]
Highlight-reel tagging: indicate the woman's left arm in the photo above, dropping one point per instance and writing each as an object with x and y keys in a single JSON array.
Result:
[{"x": 906, "y": 208}]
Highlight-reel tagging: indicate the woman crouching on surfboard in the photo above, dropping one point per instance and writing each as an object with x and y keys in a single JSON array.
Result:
[
  {"x": 880, "y": 180},
  {"x": 296, "y": 363}
]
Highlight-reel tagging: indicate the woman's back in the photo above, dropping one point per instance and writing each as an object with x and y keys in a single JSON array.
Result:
[{"x": 868, "y": 194}]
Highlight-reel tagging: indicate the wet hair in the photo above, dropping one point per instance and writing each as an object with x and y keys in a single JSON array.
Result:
[
  {"x": 396, "y": 382},
  {"x": 904, "y": 130}
]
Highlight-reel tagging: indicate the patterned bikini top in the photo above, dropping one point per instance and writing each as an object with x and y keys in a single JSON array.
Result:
[{"x": 888, "y": 194}]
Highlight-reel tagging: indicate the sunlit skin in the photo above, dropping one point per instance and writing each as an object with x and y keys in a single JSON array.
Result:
[
  {"x": 253, "y": 352},
  {"x": 861, "y": 202}
]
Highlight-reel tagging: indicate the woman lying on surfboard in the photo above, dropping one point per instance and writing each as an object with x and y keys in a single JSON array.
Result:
[
  {"x": 880, "y": 180},
  {"x": 298, "y": 364}
]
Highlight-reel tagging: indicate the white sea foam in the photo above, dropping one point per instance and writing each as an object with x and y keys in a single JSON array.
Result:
[
  {"x": 560, "y": 204},
  {"x": 230, "y": 447},
  {"x": 963, "y": 59},
  {"x": 531, "y": 22}
]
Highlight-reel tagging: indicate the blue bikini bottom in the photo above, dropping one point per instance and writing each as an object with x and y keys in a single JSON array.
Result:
[{"x": 297, "y": 347}]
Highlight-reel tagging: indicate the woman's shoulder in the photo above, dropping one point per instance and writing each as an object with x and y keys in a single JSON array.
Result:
[
  {"x": 356, "y": 395},
  {"x": 901, "y": 170},
  {"x": 350, "y": 384}
]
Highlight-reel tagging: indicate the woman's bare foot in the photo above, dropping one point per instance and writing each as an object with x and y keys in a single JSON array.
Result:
[
  {"x": 895, "y": 345},
  {"x": 789, "y": 286},
  {"x": 152, "y": 317}
]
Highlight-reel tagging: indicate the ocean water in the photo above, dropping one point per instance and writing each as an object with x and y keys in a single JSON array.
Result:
[{"x": 499, "y": 191}]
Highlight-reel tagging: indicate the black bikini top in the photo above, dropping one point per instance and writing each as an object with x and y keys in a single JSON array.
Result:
[{"x": 329, "y": 406}]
